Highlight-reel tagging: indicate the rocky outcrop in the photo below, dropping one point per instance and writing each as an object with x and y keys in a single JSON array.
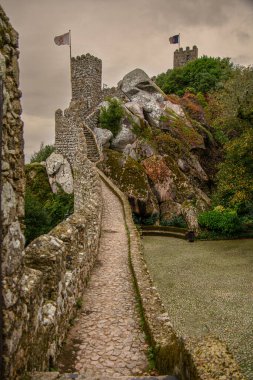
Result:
[
  {"x": 168, "y": 144},
  {"x": 131, "y": 178},
  {"x": 59, "y": 173}
]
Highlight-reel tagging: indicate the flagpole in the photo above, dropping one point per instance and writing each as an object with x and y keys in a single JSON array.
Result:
[
  {"x": 70, "y": 56},
  {"x": 179, "y": 41}
]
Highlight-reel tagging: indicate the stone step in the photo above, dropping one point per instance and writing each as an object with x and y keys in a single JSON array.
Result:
[
  {"x": 92, "y": 148},
  {"x": 69, "y": 376}
]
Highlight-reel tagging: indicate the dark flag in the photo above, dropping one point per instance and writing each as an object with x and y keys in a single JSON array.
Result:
[{"x": 174, "y": 39}]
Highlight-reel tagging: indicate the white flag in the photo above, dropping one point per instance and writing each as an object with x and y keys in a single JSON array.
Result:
[{"x": 63, "y": 39}]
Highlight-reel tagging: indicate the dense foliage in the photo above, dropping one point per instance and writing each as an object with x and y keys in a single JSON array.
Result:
[
  {"x": 43, "y": 209},
  {"x": 201, "y": 75},
  {"x": 43, "y": 153},
  {"x": 231, "y": 113},
  {"x": 221, "y": 220},
  {"x": 228, "y": 108},
  {"x": 111, "y": 116}
]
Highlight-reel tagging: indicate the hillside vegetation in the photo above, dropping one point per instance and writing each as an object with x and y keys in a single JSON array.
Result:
[{"x": 226, "y": 94}]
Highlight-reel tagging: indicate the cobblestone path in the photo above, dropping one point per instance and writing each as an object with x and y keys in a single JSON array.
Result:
[{"x": 107, "y": 339}]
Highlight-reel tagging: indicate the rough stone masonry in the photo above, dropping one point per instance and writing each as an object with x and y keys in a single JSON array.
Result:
[
  {"x": 43, "y": 283},
  {"x": 12, "y": 195}
]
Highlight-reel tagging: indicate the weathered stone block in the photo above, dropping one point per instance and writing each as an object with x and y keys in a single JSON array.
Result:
[{"x": 47, "y": 254}]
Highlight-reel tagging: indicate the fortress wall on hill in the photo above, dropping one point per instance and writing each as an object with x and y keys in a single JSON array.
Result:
[{"x": 42, "y": 284}]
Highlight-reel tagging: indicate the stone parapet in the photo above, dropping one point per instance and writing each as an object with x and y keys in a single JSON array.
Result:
[{"x": 56, "y": 269}]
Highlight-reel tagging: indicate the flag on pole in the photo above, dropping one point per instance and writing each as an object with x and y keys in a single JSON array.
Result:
[
  {"x": 64, "y": 39},
  {"x": 174, "y": 39}
]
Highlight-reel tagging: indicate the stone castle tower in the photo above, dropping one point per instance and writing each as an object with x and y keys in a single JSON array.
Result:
[
  {"x": 86, "y": 80},
  {"x": 181, "y": 56}
]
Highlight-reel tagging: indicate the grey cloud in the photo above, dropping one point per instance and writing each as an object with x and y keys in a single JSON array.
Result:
[
  {"x": 124, "y": 34},
  {"x": 241, "y": 59},
  {"x": 242, "y": 36}
]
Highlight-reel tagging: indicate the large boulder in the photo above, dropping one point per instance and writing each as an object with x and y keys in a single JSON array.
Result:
[
  {"x": 59, "y": 173},
  {"x": 147, "y": 97},
  {"x": 135, "y": 108},
  {"x": 136, "y": 81},
  {"x": 151, "y": 106},
  {"x": 104, "y": 136},
  {"x": 123, "y": 138}
]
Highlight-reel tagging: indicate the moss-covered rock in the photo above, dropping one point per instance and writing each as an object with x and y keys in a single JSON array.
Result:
[
  {"x": 182, "y": 129},
  {"x": 131, "y": 178},
  {"x": 169, "y": 145}
]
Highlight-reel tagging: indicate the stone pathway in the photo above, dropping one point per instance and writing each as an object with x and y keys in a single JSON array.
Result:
[{"x": 107, "y": 339}]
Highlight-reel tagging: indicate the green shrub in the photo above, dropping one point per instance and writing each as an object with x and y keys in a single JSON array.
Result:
[
  {"x": 59, "y": 206},
  {"x": 44, "y": 152},
  {"x": 37, "y": 220},
  {"x": 224, "y": 221},
  {"x": 110, "y": 117},
  {"x": 43, "y": 209}
]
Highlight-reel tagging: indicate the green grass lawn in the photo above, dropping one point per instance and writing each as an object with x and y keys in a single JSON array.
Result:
[{"x": 207, "y": 288}]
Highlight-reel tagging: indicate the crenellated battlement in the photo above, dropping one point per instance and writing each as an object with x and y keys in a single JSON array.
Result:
[{"x": 181, "y": 56}]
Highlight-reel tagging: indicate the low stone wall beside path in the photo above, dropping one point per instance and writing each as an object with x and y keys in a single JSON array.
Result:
[{"x": 203, "y": 359}]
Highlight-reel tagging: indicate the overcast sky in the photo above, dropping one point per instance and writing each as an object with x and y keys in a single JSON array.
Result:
[{"x": 125, "y": 34}]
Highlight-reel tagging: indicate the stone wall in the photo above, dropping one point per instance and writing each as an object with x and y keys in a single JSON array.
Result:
[
  {"x": 12, "y": 193},
  {"x": 66, "y": 135},
  {"x": 111, "y": 92},
  {"x": 57, "y": 267},
  {"x": 181, "y": 56},
  {"x": 42, "y": 284}
]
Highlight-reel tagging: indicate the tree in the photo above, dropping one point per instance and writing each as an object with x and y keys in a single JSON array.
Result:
[
  {"x": 235, "y": 176},
  {"x": 231, "y": 108},
  {"x": 200, "y": 75},
  {"x": 43, "y": 153},
  {"x": 230, "y": 111},
  {"x": 110, "y": 117}
]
